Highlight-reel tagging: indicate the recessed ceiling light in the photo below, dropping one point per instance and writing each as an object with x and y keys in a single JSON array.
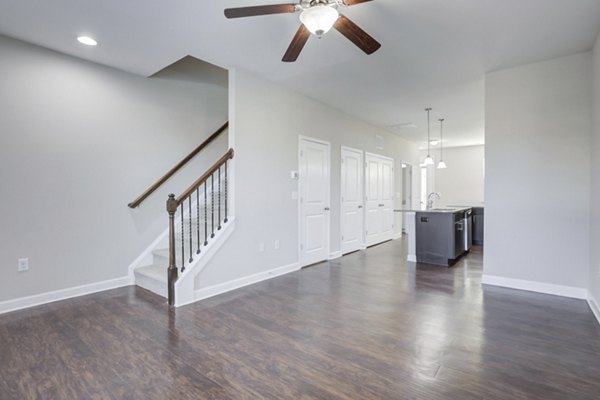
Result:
[
  {"x": 88, "y": 41},
  {"x": 434, "y": 142}
]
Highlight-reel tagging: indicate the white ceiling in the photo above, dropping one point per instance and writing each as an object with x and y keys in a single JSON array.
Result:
[{"x": 435, "y": 52}]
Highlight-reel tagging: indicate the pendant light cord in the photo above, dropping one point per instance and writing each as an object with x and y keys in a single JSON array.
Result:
[
  {"x": 428, "y": 133},
  {"x": 441, "y": 139}
]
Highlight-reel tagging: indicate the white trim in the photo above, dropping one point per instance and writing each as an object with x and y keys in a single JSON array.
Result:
[
  {"x": 62, "y": 294},
  {"x": 594, "y": 306},
  {"x": 539, "y": 287},
  {"x": 184, "y": 287},
  {"x": 411, "y": 258},
  {"x": 221, "y": 288},
  {"x": 335, "y": 254}
]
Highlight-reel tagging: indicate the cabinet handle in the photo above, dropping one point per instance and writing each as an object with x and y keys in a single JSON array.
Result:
[
  {"x": 381, "y": 205},
  {"x": 359, "y": 206},
  {"x": 326, "y": 208}
]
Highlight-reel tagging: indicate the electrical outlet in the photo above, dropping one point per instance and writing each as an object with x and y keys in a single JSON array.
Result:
[
  {"x": 277, "y": 244},
  {"x": 23, "y": 265}
]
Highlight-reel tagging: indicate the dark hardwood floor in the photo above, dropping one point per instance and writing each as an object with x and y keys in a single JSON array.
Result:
[{"x": 367, "y": 326}]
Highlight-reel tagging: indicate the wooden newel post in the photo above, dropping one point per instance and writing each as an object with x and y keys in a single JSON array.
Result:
[{"x": 172, "y": 206}]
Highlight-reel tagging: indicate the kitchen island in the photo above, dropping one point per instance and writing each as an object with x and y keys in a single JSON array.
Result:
[{"x": 438, "y": 236}]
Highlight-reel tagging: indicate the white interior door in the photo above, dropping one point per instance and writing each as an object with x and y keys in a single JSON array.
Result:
[
  {"x": 352, "y": 195},
  {"x": 314, "y": 201},
  {"x": 386, "y": 206},
  {"x": 372, "y": 196},
  {"x": 407, "y": 183},
  {"x": 379, "y": 199}
]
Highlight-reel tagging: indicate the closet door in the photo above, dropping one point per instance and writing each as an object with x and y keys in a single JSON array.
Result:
[
  {"x": 379, "y": 199},
  {"x": 314, "y": 200},
  {"x": 352, "y": 216}
]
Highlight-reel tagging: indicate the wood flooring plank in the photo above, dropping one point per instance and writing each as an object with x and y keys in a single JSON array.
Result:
[{"x": 366, "y": 326}]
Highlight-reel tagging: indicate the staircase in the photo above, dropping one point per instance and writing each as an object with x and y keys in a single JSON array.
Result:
[
  {"x": 153, "y": 276},
  {"x": 199, "y": 222}
]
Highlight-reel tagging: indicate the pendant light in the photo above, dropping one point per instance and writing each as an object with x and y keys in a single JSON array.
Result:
[
  {"x": 441, "y": 164},
  {"x": 428, "y": 159}
]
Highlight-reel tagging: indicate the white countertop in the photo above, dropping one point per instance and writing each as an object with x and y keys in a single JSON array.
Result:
[{"x": 433, "y": 210}]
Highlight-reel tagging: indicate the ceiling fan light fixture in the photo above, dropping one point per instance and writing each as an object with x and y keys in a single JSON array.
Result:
[{"x": 319, "y": 19}]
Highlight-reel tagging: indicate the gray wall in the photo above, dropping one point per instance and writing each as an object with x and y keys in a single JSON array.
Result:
[
  {"x": 462, "y": 182},
  {"x": 268, "y": 122},
  {"x": 595, "y": 182},
  {"x": 78, "y": 141},
  {"x": 537, "y": 192}
]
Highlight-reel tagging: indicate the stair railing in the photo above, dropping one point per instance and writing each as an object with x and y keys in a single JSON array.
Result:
[
  {"x": 136, "y": 203},
  {"x": 207, "y": 200}
]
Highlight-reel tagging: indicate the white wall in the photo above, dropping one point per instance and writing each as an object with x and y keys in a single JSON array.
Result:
[
  {"x": 462, "y": 182},
  {"x": 537, "y": 192},
  {"x": 595, "y": 182},
  {"x": 267, "y": 122},
  {"x": 79, "y": 141}
]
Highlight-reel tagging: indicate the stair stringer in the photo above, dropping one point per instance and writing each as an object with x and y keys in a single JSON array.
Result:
[{"x": 185, "y": 285}]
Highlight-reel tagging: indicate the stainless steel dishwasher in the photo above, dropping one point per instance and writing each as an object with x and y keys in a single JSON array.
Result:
[
  {"x": 459, "y": 234},
  {"x": 468, "y": 229}
]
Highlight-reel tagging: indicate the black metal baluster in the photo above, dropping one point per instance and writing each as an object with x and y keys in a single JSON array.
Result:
[
  {"x": 219, "y": 198},
  {"x": 212, "y": 204},
  {"x": 190, "y": 218},
  {"x": 205, "y": 216},
  {"x": 198, "y": 220},
  {"x": 225, "y": 220},
  {"x": 182, "y": 241}
]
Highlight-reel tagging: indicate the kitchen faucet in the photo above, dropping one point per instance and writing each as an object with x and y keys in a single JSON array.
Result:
[{"x": 430, "y": 199}]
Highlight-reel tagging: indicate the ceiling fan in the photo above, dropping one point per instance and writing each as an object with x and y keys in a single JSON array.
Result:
[{"x": 317, "y": 17}]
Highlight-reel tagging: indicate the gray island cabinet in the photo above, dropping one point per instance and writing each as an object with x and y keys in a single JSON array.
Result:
[{"x": 442, "y": 235}]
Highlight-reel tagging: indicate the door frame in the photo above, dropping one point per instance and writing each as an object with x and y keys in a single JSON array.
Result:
[
  {"x": 363, "y": 216},
  {"x": 300, "y": 204}
]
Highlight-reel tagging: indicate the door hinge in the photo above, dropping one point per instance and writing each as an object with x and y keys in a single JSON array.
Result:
[
  {"x": 342, "y": 238},
  {"x": 301, "y": 153},
  {"x": 301, "y": 246}
]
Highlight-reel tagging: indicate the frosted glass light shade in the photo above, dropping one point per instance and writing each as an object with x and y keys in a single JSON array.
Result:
[
  {"x": 319, "y": 19},
  {"x": 428, "y": 160},
  {"x": 442, "y": 165}
]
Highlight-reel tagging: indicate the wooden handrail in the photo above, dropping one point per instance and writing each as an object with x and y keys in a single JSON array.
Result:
[
  {"x": 177, "y": 167},
  {"x": 187, "y": 193}
]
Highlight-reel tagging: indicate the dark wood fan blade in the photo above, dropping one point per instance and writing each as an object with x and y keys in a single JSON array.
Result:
[
  {"x": 297, "y": 44},
  {"x": 354, "y": 2},
  {"x": 259, "y": 10},
  {"x": 356, "y": 35}
]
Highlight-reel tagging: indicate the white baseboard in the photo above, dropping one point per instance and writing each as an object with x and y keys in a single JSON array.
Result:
[
  {"x": 63, "y": 294},
  {"x": 221, "y": 288},
  {"x": 411, "y": 258},
  {"x": 335, "y": 254},
  {"x": 539, "y": 287},
  {"x": 594, "y": 306}
]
